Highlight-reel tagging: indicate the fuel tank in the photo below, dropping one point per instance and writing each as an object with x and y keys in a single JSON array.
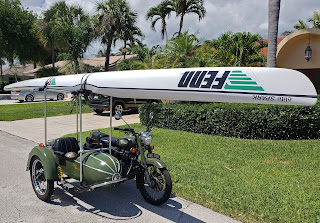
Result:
[{"x": 98, "y": 167}]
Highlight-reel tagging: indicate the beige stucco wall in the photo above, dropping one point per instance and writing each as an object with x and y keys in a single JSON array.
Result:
[{"x": 291, "y": 50}]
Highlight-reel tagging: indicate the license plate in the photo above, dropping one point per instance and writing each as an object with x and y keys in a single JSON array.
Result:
[{"x": 153, "y": 155}]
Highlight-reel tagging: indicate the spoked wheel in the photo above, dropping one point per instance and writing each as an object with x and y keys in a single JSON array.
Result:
[
  {"x": 160, "y": 189},
  {"x": 29, "y": 98},
  {"x": 60, "y": 97},
  {"x": 118, "y": 108},
  {"x": 41, "y": 186}
]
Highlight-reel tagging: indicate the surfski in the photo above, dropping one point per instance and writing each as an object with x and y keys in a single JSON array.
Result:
[{"x": 208, "y": 84}]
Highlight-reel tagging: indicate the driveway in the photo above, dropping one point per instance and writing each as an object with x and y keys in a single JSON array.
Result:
[
  {"x": 115, "y": 204},
  {"x": 33, "y": 129}
]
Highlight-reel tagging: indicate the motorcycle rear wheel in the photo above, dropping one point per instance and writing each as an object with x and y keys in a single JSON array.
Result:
[
  {"x": 160, "y": 191},
  {"x": 41, "y": 186}
]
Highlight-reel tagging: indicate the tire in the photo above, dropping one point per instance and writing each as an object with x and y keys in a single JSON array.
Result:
[
  {"x": 161, "y": 191},
  {"x": 41, "y": 186},
  {"x": 29, "y": 98},
  {"x": 98, "y": 111},
  {"x": 118, "y": 107},
  {"x": 60, "y": 97}
]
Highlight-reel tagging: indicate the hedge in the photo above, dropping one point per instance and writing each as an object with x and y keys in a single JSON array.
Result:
[{"x": 237, "y": 120}]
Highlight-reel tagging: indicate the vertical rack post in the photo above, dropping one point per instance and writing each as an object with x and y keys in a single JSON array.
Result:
[
  {"x": 45, "y": 116},
  {"x": 81, "y": 147},
  {"x": 77, "y": 117},
  {"x": 110, "y": 133}
]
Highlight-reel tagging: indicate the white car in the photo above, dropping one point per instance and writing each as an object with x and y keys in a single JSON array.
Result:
[{"x": 35, "y": 94}]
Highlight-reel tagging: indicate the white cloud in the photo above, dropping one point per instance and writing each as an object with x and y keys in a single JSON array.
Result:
[{"x": 232, "y": 15}]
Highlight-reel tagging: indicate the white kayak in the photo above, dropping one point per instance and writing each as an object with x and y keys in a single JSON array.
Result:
[{"x": 208, "y": 84}]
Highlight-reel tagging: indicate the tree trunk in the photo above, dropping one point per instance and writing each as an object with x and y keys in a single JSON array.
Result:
[
  {"x": 181, "y": 24},
  {"x": 106, "y": 64},
  {"x": 53, "y": 58},
  {"x": 124, "y": 49},
  {"x": 273, "y": 20}
]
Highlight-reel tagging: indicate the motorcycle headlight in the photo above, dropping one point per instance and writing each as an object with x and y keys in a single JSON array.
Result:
[{"x": 146, "y": 138}]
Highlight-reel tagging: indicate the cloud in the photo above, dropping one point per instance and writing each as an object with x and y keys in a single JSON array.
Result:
[{"x": 232, "y": 15}]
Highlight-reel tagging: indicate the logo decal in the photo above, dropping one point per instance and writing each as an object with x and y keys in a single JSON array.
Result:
[
  {"x": 53, "y": 81},
  {"x": 230, "y": 80},
  {"x": 241, "y": 81}
]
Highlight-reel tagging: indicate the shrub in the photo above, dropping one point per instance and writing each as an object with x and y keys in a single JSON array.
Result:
[
  {"x": 2, "y": 84},
  {"x": 237, "y": 120}
]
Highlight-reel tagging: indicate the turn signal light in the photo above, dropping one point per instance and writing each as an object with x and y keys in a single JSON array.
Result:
[
  {"x": 152, "y": 147},
  {"x": 133, "y": 150},
  {"x": 41, "y": 145}
]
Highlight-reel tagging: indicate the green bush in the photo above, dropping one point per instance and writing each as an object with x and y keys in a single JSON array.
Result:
[
  {"x": 237, "y": 120},
  {"x": 2, "y": 84}
]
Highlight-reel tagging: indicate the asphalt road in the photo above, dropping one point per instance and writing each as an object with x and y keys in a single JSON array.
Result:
[{"x": 18, "y": 203}]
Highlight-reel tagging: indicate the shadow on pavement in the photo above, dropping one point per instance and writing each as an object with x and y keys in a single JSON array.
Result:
[{"x": 121, "y": 202}]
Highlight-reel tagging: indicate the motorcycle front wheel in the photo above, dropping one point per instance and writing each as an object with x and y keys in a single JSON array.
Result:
[
  {"x": 41, "y": 186},
  {"x": 160, "y": 189}
]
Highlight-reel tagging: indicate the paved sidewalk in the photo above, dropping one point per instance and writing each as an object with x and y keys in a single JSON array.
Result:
[{"x": 33, "y": 129}]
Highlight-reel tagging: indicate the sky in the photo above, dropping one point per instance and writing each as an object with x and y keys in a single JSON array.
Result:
[{"x": 222, "y": 16}]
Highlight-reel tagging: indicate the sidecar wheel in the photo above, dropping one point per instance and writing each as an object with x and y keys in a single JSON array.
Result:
[
  {"x": 41, "y": 186},
  {"x": 158, "y": 193}
]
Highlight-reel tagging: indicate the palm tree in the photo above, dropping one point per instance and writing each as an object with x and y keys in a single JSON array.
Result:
[
  {"x": 111, "y": 16},
  {"x": 160, "y": 12},
  {"x": 273, "y": 21},
  {"x": 238, "y": 49},
  {"x": 183, "y": 7},
  {"x": 129, "y": 31},
  {"x": 58, "y": 12},
  {"x": 315, "y": 20}
]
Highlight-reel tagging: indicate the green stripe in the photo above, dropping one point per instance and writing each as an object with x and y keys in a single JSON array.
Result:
[
  {"x": 248, "y": 88},
  {"x": 238, "y": 75},
  {"x": 244, "y": 82},
  {"x": 240, "y": 78},
  {"x": 237, "y": 71}
]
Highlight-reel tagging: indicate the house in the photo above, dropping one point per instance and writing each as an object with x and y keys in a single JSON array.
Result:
[
  {"x": 24, "y": 72},
  {"x": 292, "y": 53}
]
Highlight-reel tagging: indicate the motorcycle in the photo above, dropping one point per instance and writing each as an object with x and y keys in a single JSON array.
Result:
[{"x": 101, "y": 161}]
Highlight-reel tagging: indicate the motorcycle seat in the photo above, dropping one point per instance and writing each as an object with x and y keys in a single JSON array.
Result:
[
  {"x": 105, "y": 141},
  {"x": 63, "y": 146}
]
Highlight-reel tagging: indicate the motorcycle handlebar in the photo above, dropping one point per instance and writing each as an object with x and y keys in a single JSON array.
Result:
[{"x": 125, "y": 130}]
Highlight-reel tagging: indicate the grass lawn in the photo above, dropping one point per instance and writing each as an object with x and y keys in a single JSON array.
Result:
[
  {"x": 35, "y": 110},
  {"x": 249, "y": 180}
]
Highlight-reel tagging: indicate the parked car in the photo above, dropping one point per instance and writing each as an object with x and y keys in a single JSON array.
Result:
[
  {"x": 101, "y": 103},
  {"x": 35, "y": 94}
]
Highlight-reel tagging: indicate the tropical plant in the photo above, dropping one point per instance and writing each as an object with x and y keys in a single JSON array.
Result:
[
  {"x": 130, "y": 32},
  {"x": 183, "y": 7},
  {"x": 273, "y": 22},
  {"x": 73, "y": 31},
  {"x": 238, "y": 49},
  {"x": 110, "y": 20},
  {"x": 18, "y": 37},
  {"x": 315, "y": 21},
  {"x": 160, "y": 13},
  {"x": 57, "y": 12}
]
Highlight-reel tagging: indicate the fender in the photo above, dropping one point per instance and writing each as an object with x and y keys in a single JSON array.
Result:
[
  {"x": 47, "y": 158},
  {"x": 156, "y": 162}
]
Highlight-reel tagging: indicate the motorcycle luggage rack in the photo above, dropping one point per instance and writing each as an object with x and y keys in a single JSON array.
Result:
[
  {"x": 101, "y": 149},
  {"x": 78, "y": 125}
]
